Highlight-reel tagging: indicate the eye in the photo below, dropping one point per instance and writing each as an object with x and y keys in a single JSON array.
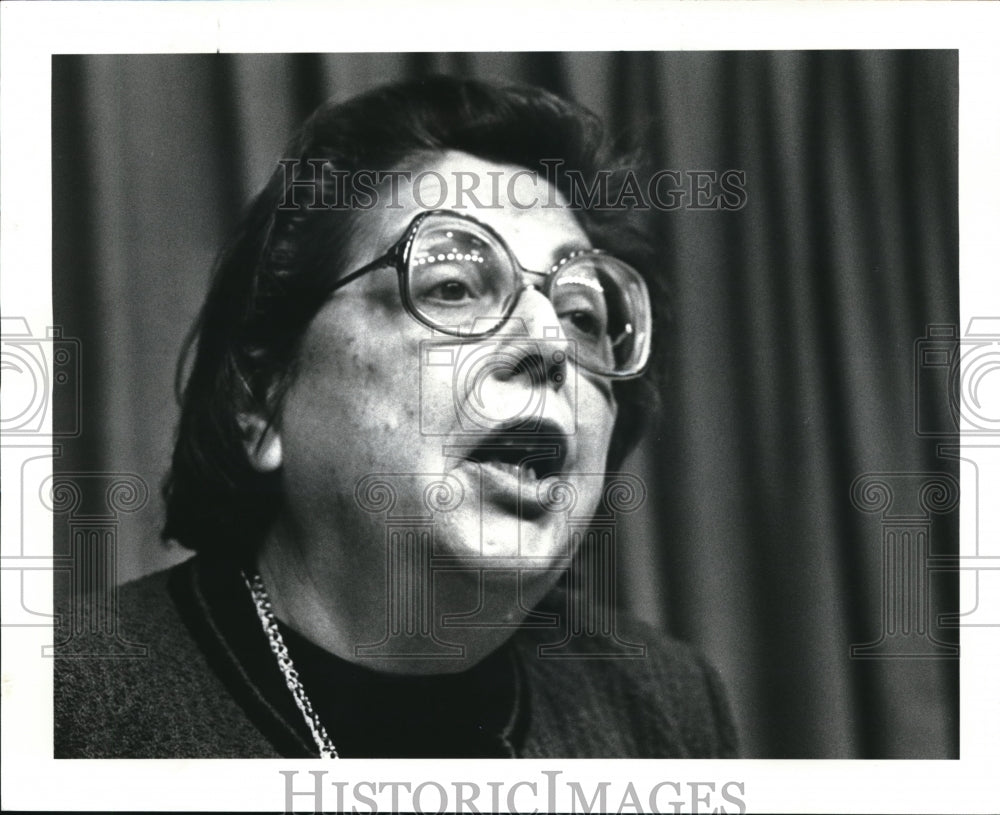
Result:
[
  {"x": 452, "y": 291},
  {"x": 585, "y": 323}
]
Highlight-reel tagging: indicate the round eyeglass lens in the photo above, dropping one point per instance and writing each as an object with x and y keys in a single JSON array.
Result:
[
  {"x": 603, "y": 306},
  {"x": 460, "y": 277}
]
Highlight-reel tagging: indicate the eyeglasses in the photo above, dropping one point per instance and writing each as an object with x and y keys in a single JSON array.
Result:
[{"x": 459, "y": 277}]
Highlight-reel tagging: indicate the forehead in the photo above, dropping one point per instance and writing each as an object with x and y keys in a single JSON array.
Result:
[{"x": 527, "y": 211}]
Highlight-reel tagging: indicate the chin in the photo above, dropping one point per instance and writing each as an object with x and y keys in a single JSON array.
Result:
[{"x": 479, "y": 608}]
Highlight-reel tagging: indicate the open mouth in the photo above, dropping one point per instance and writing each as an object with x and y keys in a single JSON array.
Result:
[
  {"x": 525, "y": 458},
  {"x": 533, "y": 461}
]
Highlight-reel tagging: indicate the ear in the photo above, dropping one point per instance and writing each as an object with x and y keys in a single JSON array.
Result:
[{"x": 262, "y": 442}]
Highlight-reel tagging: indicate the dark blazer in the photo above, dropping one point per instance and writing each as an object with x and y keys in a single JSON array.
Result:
[{"x": 209, "y": 687}]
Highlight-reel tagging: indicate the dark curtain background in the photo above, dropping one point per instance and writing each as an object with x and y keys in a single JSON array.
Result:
[{"x": 792, "y": 343}]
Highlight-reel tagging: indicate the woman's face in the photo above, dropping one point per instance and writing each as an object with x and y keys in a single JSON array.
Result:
[{"x": 382, "y": 406}]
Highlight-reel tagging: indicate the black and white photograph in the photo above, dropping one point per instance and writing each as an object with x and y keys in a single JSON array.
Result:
[{"x": 473, "y": 403}]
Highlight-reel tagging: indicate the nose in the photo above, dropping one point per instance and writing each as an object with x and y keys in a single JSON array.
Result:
[{"x": 537, "y": 338}]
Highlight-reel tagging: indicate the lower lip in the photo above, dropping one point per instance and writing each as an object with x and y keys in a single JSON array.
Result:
[{"x": 509, "y": 487}]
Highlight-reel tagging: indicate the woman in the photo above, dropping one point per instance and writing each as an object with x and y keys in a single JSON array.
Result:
[{"x": 416, "y": 375}]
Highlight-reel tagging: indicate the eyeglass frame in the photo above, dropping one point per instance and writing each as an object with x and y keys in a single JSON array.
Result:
[{"x": 398, "y": 256}]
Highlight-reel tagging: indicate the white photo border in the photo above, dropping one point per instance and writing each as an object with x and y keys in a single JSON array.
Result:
[{"x": 33, "y": 32}]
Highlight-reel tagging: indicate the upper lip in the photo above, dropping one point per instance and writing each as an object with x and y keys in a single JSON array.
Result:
[{"x": 545, "y": 450}]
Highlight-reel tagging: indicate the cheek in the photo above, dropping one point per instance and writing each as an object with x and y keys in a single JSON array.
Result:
[
  {"x": 595, "y": 420},
  {"x": 354, "y": 394},
  {"x": 434, "y": 374}
]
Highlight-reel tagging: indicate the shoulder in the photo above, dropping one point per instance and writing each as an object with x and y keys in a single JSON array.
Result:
[
  {"x": 627, "y": 691},
  {"x": 131, "y": 624},
  {"x": 130, "y": 681}
]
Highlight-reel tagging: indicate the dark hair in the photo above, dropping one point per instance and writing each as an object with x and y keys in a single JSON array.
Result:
[{"x": 275, "y": 272}]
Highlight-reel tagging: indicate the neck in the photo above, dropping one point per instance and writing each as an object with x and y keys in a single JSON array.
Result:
[{"x": 345, "y": 608}]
